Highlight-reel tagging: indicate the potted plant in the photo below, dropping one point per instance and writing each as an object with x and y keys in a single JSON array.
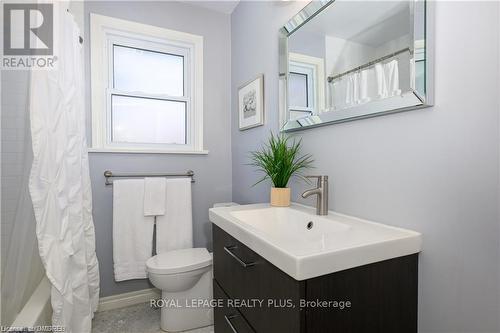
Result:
[{"x": 280, "y": 159}]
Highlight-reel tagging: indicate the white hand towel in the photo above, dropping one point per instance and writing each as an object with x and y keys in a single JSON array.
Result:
[
  {"x": 132, "y": 231},
  {"x": 391, "y": 71},
  {"x": 339, "y": 93},
  {"x": 154, "y": 196},
  {"x": 355, "y": 78},
  {"x": 381, "y": 81},
  {"x": 349, "y": 98},
  {"x": 174, "y": 230},
  {"x": 372, "y": 88},
  {"x": 367, "y": 85},
  {"x": 335, "y": 95},
  {"x": 413, "y": 84}
]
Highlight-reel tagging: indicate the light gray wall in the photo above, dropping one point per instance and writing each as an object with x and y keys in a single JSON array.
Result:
[
  {"x": 433, "y": 170},
  {"x": 212, "y": 171},
  {"x": 307, "y": 43}
]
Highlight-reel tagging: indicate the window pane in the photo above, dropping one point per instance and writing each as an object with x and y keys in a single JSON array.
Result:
[
  {"x": 147, "y": 120},
  {"x": 137, "y": 70},
  {"x": 298, "y": 90}
]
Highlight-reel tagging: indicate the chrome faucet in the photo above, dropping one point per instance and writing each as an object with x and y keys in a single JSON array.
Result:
[{"x": 322, "y": 192}]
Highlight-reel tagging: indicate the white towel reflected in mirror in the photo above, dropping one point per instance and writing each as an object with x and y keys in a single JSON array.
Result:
[
  {"x": 360, "y": 87},
  {"x": 391, "y": 74}
]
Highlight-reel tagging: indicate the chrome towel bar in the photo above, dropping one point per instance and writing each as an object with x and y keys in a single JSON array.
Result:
[{"x": 108, "y": 175}]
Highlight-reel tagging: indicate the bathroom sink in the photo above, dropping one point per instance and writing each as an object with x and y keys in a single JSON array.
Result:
[
  {"x": 297, "y": 231},
  {"x": 305, "y": 245}
]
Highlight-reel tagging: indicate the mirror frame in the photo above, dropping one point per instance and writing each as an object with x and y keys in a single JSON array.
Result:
[{"x": 416, "y": 100}]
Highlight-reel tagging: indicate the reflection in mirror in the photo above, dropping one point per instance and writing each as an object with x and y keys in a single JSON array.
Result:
[{"x": 351, "y": 59}]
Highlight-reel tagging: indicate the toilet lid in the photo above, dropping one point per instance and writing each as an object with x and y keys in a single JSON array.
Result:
[{"x": 179, "y": 261}]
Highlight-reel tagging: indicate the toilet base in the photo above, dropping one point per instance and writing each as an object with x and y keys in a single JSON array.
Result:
[{"x": 181, "y": 312}]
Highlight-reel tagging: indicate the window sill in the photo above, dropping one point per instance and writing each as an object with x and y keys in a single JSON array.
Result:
[{"x": 146, "y": 151}]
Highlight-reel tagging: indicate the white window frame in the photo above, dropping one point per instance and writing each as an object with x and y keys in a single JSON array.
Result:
[
  {"x": 108, "y": 31},
  {"x": 314, "y": 68}
]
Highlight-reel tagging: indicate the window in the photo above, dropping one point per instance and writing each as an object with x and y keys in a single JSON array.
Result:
[
  {"x": 305, "y": 85},
  {"x": 147, "y": 88},
  {"x": 301, "y": 91}
]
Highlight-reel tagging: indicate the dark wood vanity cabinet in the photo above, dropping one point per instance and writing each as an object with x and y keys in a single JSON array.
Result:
[{"x": 382, "y": 295}]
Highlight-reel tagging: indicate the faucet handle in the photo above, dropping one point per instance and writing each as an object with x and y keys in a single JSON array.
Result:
[{"x": 321, "y": 179}]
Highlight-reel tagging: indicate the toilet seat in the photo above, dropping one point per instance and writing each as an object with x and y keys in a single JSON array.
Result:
[{"x": 179, "y": 261}]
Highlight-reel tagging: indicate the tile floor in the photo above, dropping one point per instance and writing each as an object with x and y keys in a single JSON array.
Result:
[{"x": 140, "y": 318}]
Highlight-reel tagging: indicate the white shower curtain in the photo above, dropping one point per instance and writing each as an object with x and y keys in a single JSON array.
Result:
[{"x": 60, "y": 182}]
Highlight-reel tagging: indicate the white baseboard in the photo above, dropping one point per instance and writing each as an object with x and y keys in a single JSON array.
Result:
[{"x": 127, "y": 299}]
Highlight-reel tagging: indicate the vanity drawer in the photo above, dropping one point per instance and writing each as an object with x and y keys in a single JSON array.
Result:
[
  {"x": 244, "y": 275},
  {"x": 228, "y": 319}
]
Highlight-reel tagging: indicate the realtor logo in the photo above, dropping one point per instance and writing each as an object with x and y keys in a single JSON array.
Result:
[{"x": 28, "y": 29}]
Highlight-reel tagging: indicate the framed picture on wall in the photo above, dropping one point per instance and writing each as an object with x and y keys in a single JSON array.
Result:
[{"x": 251, "y": 103}]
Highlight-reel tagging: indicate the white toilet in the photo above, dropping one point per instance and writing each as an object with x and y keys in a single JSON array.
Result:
[{"x": 185, "y": 279}]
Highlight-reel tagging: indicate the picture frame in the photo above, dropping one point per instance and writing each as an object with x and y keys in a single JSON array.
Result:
[{"x": 251, "y": 103}]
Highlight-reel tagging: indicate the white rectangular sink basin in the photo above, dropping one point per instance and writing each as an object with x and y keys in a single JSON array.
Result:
[{"x": 305, "y": 245}]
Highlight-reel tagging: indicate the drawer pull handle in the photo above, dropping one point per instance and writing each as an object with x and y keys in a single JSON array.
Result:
[
  {"x": 229, "y": 249},
  {"x": 228, "y": 321}
]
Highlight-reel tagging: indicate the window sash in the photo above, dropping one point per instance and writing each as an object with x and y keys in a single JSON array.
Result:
[
  {"x": 112, "y": 83},
  {"x": 109, "y": 122},
  {"x": 113, "y": 113},
  {"x": 310, "y": 73},
  {"x": 307, "y": 88},
  {"x": 165, "y": 48},
  {"x": 105, "y": 31}
]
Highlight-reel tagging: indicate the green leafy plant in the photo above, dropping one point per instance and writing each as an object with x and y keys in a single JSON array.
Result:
[{"x": 280, "y": 159}]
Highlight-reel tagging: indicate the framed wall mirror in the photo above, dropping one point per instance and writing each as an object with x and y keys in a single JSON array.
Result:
[{"x": 345, "y": 60}]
